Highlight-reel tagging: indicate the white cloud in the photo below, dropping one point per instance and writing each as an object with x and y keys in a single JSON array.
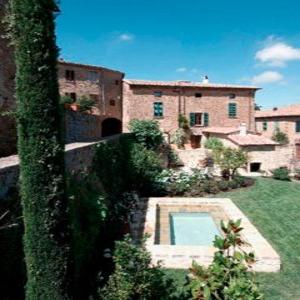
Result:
[
  {"x": 267, "y": 77},
  {"x": 125, "y": 37},
  {"x": 278, "y": 54},
  {"x": 181, "y": 70}
]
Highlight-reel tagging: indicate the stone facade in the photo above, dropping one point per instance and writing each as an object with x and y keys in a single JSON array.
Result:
[
  {"x": 100, "y": 84},
  {"x": 78, "y": 157},
  {"x": 8, "y": 134},
  {"x": 139, "y": 99},
  {"x": 285, "y": 119}
]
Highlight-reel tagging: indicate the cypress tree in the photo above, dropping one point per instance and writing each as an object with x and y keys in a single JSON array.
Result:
[{"x": 41, "y": 150}]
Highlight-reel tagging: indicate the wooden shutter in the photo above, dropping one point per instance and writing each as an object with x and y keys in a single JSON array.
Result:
[
  {"x": 192, "y": 119},
  {"x": 206, "y": 119},
  {"x": 232, "y": 110}
]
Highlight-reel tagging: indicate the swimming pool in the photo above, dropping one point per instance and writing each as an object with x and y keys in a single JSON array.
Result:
[
  {"x": 192, "y": 228},
  {"x": 182, "y": 230}
]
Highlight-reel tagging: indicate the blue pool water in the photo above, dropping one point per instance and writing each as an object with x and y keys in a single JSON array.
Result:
[{"x": 193, "y": 229}]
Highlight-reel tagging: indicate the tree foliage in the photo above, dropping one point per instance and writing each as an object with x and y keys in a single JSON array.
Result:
[
  {"x": 147, "y": 132},
  {"x": 230, "y": 160},
  {"x": 134, "y": 276},
  {"x": 280, "y": 137},
  {"x": 227, "y": 277},
  {"x": 41, "y": 150}
]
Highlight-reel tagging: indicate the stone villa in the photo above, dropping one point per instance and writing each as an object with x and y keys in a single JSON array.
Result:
[
  {"x": 205, "y": 105},
  {"x": 285, "y": 119}
]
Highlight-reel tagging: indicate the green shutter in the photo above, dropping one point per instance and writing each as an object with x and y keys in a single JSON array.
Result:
[
  {"x": 232, "y": 110},
  {"x": 265, "y": 126},
  {"x": 158, "y": 109},
  {"x": 206, "y": 119},
  {"x": 192, "y": 119},
  {"x": 298, "y": 126}
]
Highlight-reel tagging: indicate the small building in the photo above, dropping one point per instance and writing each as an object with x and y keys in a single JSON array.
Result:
[
  {"x": 203, "y": 104},
  {"x": 100, "y": 84},
  {"x": 287, "y": 120},
  {"x": 264, "y": 154}
]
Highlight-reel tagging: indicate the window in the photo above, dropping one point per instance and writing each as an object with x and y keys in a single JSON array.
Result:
[
  {"x": 117, "y": 82},
  {"x": 112, "y": 102},
  {"x": 70, "y": 75},
  {"x": 157, "y": 93},
  {"x": 198, "y": 95},
  {"x": 93, "y": 76},
  {"x": 265, "y": 126},
  {"x": 276, "y": 125},
  {"x": 199, "y": 119},
  {"x": 158, "y": 109},
  {"x": 232, "y": 96},
  {"x": 297, "y": 126},
  {"x": 232, "y": 110},
  {"x": 73, "y": 96}
]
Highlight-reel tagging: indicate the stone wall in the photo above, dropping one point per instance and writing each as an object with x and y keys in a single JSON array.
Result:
[
  {"x": 8, "y": 135},
  {"x": 82, "y": 127},
  {"x": 138, "y": 104},
  {"x": 78, "y": 157}
]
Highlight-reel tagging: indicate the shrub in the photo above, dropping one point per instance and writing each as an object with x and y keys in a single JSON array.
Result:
[
  {"x": 183, "y": 122},
  {"x": 227, "y": 277},
  {"x": 66, "y": 100},
  {"x": 178, "y": 138},
  {"x": 88, "y": 212},
  {"x": 144, "y": 165},
  {"x": 134, "y": 276},
  {"x": 281, "y": 174},
  {"x": 280, "y": 137},
  {"x": 223, "y": 185},
  {"x": 214, "y": 144},
  {"x": 85, "y": 103},
  {"x": 230, "y": 160},
  {"x": 147, "y": 133}
]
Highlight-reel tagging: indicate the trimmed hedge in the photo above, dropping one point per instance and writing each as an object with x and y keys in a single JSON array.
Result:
[{"x": 41, "y": 149}]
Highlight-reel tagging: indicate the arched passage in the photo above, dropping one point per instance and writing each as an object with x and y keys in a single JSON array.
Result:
[{"x": 111, "y": 126}]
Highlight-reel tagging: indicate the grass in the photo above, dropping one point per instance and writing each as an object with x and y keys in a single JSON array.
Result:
[{"x": 274, "y": 208}]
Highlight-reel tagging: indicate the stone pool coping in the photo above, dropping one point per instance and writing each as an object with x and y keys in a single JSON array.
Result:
[{"x": 181, "y": 257}]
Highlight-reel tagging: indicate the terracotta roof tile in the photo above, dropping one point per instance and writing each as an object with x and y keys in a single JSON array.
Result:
[
  {"x": 287, "y": 111},
  {"x": 186, "y": 84},
  {"x": 251, "y": 140}
]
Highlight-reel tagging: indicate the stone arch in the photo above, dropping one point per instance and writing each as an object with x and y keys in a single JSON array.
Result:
[{"x": 111, "y": 126}]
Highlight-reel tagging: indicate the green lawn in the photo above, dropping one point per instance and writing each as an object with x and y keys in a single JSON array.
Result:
[{"x": 274, "y": 208}]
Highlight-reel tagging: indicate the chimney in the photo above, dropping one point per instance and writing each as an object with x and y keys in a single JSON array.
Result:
[
  {"x": 205, "y": 80},
  {"x": 243, "y": 129}
]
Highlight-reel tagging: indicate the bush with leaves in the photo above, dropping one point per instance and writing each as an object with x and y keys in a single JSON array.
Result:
[
  {"x": 134, "y": 276},
  {"x": 214, "y": 144},
  {"x": 183, "y": 122},
  {"x": 147, "y": 133},
  {"x": 178, "y": 138},
  {"x": 282, "y": 173},
  {"x": 230, "y": 160},
  {"x": 280, "y": 137},
  {"x": 228, "y": 277},
  {"x": 85, "y": 103}
]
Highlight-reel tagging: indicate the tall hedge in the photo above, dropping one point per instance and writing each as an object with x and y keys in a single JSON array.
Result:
[{"x": 46, "y": 238}]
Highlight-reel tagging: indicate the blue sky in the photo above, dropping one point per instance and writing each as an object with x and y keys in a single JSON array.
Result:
[{"x": 231, "y": 41}]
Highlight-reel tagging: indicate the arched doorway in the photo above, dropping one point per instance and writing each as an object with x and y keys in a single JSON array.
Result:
[{"x": 111, "y": 126}]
